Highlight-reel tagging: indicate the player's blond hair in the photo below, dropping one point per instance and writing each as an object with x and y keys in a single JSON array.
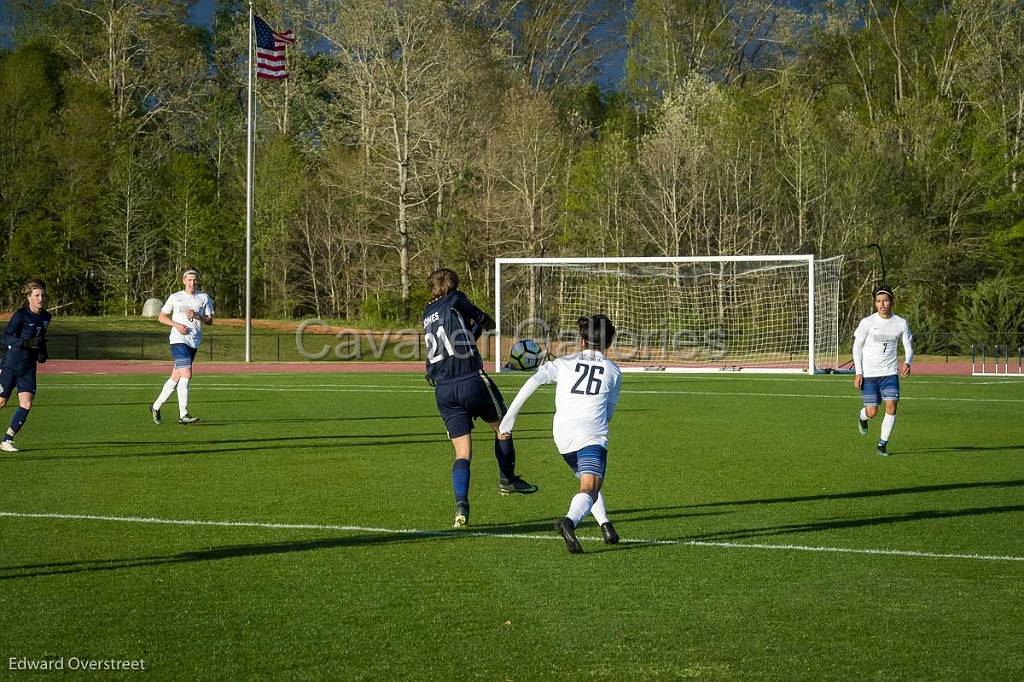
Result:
[
  {"x": 32, "y": 285},
  {"x": 442, "y": 281}
]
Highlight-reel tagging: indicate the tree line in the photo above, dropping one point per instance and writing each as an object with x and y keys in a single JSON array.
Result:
[{"x": 419, "y": 133}]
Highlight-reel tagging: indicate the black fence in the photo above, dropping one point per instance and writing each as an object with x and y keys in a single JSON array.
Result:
[
  {"x": 265, "y": 347},
  {"x": 386, "y": 346}
]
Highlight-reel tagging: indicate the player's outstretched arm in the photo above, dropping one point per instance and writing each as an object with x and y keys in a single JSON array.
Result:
[{"x": 508, "y": 422}]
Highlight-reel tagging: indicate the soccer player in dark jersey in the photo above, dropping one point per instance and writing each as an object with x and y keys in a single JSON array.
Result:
[
  {"x": 24, "y": 344},
  {"x": 462, "y": 390}
]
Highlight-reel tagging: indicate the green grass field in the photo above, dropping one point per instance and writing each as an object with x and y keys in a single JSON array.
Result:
[{"x": 301, "y": 531}]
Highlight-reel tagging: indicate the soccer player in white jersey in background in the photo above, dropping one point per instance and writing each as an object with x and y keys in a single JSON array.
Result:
[
  {"x": 586, "y": 393},
  {"x": 185, "y": 312},
  {"x": 874, "y": 357}
]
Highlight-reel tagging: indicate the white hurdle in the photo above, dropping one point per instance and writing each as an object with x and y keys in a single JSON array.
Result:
[{"x": 1000, "y": 353}]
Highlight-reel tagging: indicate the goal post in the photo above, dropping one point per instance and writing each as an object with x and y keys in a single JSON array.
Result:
[{"x": 771, "y": 313}]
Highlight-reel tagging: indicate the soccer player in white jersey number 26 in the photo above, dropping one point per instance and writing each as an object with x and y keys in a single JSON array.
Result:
[
  {"x": 185, "y": 312},
  {"x": 874, "y": 356},
  {"x": 587, "y": 390}
]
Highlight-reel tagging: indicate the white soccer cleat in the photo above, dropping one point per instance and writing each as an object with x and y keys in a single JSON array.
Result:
[
  {"x": 461, "y": 515},
  {"x": 8, "y": 446}
]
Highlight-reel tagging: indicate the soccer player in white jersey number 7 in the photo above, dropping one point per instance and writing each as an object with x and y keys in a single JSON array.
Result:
[
  {"x": 874, "y": 356},
  {"x": 586, "y": 393},
  {"x": 185, "y": 312}
]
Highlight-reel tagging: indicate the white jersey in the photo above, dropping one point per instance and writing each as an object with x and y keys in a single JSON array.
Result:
[
  {"x": 874, "y": 345},
  {"x": 176, "y": 306},
  {"x": 586, "y": 392}
]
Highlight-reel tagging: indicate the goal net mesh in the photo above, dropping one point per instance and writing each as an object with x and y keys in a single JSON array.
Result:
[{"x": 696, "y": 315}]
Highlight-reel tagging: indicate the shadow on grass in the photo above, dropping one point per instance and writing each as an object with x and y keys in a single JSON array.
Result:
[
  {"x": 623, "y": 517},
  {"x": 193, "y": 428},
  {"x": 46, "y": 404},
  {"x": 270, "y": 445},
  {"x": 942, "y": 487},
  {"x": 729, "y": 536},
  {"x": 260, "y": 420},
  {"x": 222, "y": 553},
  {"x": 838, "y": 524},
  {"x": 962, "y": 448},
  {"x": 588, "y": 524}
]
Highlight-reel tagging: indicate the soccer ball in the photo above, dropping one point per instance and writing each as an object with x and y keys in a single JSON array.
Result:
[{"x": 526, "y": 354}]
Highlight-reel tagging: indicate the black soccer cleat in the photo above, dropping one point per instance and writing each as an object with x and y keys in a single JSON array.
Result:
[
  {"x": 862, "y": 426},
  {"x": 608, "y": 531},
  {"x": 188, "y": 419},
  {"x": 507, "y": 486},
  {"x": 156, "y": 415},
  {"x": 568, "y": 531},
  {"x": 461, "y": 515},
  {"x": 881, "y": 450}
]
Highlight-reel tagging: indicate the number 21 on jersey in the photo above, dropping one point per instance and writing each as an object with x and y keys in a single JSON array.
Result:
[{"x": 437, "y": 344}]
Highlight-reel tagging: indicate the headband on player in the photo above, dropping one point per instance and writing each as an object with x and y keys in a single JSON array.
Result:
[{"x": 884, "y": 289}]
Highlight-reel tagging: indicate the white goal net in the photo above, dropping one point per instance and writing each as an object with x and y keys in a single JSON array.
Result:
[{"x": 729, "y": 313}]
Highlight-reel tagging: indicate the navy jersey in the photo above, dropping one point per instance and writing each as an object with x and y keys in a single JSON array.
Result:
[
  {"x": 25, "y": 329},
  {"x": 451, "y": 326}
]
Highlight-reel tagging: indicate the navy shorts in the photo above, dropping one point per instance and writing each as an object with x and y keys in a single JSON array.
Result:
[
  {"x": 591, "y": 459},
  {"x": 25, "y": 380},
  {"x": 183, "y": 355},
  {"x": 463, "y": 400},
  {"x": 876, "y": 389}
]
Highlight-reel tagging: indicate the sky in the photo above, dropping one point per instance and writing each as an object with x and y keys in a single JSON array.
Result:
[{"x": 201, "y": 13}]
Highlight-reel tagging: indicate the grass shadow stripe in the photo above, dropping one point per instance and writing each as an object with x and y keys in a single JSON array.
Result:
[{"x": 415, "y": 532}]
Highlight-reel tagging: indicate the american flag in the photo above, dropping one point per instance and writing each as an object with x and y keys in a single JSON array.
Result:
[{"x": 270, "y": 50}]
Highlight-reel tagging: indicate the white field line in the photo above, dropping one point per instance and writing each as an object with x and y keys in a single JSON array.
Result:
[
  {"x": 518, "y": 536},
  {"x": 377, "y": 388}
]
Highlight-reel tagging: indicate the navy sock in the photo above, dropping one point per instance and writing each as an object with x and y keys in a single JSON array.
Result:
[
  {"x": 460, "y": 480},
  {"x": 505, "y": 453},
  {"x": 17, "y": 421}
]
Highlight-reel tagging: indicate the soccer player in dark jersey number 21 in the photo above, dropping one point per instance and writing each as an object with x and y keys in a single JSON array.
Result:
[
  {"x": 462, "y": 390},
  {"x": 24, "y": 344}
]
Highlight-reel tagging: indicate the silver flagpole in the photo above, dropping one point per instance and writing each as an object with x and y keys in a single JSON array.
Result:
[{"x": 248, "y": 203}]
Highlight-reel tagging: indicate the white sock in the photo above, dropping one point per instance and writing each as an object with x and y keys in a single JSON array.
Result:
[
  {"x": 863, "y": 414},
  {"x": 182, "y": 397},
  {"x": 888, "y": 421},
  {"x": 599, "y": 511},
  {"x": 579, "y": 507},
  {"x": 165, "y": 393}
]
